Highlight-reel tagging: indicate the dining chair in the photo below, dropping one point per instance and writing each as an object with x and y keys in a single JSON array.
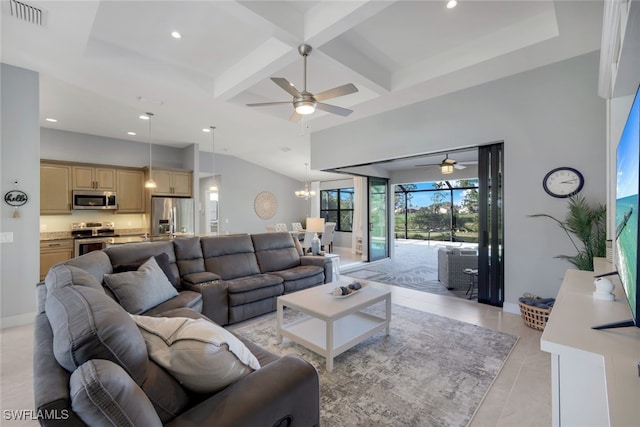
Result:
[
  {"x": 326, "y": 241},
  {"x": 281, "y": 227},
  {"x": 296, "y": 226}
]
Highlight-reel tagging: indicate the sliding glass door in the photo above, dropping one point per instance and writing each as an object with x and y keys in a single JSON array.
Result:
[
  {"x": 491, "y": 232},
  {"x": 378, "y": 219}
]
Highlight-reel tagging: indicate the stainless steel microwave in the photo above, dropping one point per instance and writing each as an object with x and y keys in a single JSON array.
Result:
[{"x": 94, "y": 200}]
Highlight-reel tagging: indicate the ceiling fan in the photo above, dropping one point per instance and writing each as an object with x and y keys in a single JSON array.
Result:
[
  {"x": 305, "y": 102},
  {"x": 448, "y": 165}
]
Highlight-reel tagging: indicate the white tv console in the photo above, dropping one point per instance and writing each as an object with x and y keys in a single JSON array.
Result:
[{"x": 594, "y": 373}]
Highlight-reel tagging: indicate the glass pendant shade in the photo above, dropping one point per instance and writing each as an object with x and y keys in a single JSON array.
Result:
[
  {"x": 213, "y": 186},
  {"x": 150, "y": 183},
  {"x": 446, "y": 168}
]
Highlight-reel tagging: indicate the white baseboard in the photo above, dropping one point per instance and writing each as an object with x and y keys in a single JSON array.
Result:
[
  {"x": 18, "y": 320},
  {"x": 510, "y": 307}
]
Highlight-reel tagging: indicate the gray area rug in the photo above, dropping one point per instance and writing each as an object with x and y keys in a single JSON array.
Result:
[
  {"x": 431, "y": 370},
  {"x": 415, "y": 267}
]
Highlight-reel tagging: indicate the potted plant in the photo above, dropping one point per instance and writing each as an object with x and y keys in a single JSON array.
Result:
[{"x": 587, "y": 223}]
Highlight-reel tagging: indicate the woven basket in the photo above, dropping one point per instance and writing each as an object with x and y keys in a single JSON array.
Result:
[{"x": 534, "y": 317}]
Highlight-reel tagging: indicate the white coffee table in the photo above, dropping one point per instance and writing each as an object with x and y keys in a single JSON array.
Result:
[{"x": 333, "y": 325}]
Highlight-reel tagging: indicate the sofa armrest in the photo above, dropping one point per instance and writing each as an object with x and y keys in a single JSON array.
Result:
[
  {"x": 285, "y": 390},
  {"x": 215, "y": 301},
  {"x": 320, "y": 261}
]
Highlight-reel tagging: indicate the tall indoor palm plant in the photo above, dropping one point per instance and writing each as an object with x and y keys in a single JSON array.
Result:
[{"x": 587, "y": 223}]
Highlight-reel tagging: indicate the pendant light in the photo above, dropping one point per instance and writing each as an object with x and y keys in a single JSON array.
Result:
[
  {"x": 150, "y": 182},
  {"x": 213, "y": 186},
  {"x": 306, "y": 193}
]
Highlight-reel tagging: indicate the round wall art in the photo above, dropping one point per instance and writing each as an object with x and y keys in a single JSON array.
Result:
[{"x": 265, "y": 205}]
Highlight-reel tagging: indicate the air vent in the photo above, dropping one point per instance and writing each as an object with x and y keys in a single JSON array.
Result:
[{"x": 26, "y": 12}]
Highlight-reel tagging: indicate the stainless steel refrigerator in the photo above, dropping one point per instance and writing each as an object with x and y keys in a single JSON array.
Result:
[{"x": 172, "y": 216}]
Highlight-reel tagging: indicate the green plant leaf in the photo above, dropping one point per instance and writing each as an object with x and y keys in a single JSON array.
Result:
[{"x": 588, "y": 224}]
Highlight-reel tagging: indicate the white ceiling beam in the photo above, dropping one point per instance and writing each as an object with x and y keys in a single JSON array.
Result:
[
  {"x": 325, "y": 22},
  {"x": 358, "y": 66},
  {"x": 276, "y": 52},
  {"x": 328, "y": 20},
  {"x": 269, "y": 57}
]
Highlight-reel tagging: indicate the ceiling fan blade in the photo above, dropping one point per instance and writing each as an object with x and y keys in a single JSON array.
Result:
[
  {"x": 284, "y": 84},
  {"x": 295, "y": 117},
  {"x": 459, "y": 166},
  {"x": 427, "y": 165},
  {"x": 336, "y": 92},
  {"x": 334, "y": 109},
  {"x": 266, "y": 104}
]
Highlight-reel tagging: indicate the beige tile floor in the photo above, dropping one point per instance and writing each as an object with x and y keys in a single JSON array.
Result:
[{"x": 520, "y": 395}]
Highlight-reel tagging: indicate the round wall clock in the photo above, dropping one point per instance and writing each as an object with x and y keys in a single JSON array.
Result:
[
  {"x": 563, "y": 182},
  {"x": 265, "y": 204}
]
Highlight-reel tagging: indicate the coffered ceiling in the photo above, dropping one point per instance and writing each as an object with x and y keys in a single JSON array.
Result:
[{"x": 103, "y": 63}]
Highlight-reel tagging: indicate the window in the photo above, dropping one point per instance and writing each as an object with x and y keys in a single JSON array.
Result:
[
  {"x": 337, "y": 206},
  {"x": 441, "y": 210}
]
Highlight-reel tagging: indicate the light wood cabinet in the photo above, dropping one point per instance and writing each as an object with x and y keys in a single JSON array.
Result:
[
  {"x": 131, "y": 191},
  {"x": 55, "y": 189},
  {"x": 53, "y": 252},
  {"x": 94, "y": 178},
  {"x": 172, "y": 182}
]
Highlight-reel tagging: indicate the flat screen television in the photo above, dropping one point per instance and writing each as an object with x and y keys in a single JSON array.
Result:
[{"x": 627, "y": 213}]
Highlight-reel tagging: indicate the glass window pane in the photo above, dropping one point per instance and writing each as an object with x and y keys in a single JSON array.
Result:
[
  {"x": 346, "y": 220},
  {"x": 331, "y": 216},
  {"x": 346, "y": 200},
  {"x": 332, "y": 199}
]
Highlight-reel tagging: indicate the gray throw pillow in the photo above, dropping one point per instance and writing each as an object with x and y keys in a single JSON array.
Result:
[{"x": 141, "y": 290}]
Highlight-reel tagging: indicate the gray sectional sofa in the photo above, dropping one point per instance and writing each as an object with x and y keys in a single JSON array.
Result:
[{"x": 91, "y": 366}]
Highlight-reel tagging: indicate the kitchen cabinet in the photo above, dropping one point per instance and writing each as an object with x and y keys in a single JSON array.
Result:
[
  {"x": 55, "y": 189},
  {"x": 53, "y": 252},
  {"x": 130, "y": 191},
  {"x": 172, "y": 182},
  {"x": 94, "y": 178}
]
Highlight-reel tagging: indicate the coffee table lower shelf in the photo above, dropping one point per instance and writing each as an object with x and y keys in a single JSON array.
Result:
[{"x": 344, "y": 333}]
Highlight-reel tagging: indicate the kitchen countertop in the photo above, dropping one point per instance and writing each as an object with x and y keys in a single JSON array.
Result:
[{"x": 65, "y": 235}]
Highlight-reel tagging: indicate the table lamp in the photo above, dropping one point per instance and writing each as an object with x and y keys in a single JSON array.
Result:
[{"x": 315, "y": 225}]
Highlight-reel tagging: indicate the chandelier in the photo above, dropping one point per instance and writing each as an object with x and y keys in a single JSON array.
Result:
[{"x": 306, "y": 193}]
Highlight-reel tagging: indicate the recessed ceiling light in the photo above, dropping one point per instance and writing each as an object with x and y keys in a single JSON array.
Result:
[
  {"x": 176, "y": 35},
  {"x": 49, "y": 119},
  {"x": 451, "y": 4},
  {"x": 206, "y": 130},
  {"x": 144, "y": 117},
  {"x": 131, "y": 133}
]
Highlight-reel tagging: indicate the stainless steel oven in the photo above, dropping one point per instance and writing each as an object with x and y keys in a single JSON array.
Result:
[
  {"x": 92, "y": 236},
  {"x": 82, "y": 246}
]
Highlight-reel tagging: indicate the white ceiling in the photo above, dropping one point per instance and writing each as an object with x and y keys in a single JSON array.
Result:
[{"x": 103, "y": 63}]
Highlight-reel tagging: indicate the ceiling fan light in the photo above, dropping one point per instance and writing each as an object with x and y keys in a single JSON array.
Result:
[
  {"x": 305, "y": 107},
  {"x": 446, "y": 168}
]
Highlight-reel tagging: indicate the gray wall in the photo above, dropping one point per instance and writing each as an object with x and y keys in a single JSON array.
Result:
[
  {"x": 239, "y": 182},
  {"x": 548, "y": 117},
  {"x": 81, "y": 147},
  {"x": 20, "y": 153}
]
